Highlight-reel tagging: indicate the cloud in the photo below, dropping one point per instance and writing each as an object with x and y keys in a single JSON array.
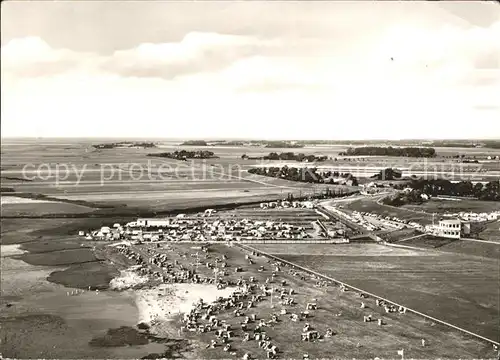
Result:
[
  {"x": 228, "y": 85},
  {"x": 444, "y": 53},
  {"x": 32, "y": 57},
  {"x": 197, "y": 52}
]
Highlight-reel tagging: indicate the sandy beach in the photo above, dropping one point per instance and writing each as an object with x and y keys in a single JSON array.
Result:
[
  {"x": 5, "y": 200},
  {"x": 10, "y": 250},
  {"x": 47, "y": 316},
  {"x": 164, "y": 302},
  {"x": 127, "y": 279}
]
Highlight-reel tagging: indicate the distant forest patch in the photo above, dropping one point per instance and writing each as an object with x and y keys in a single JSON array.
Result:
[
  {"x": 262, "y": 143},
  {"x": 125, "y": 144},
  {"x": 458, "y": 143},
  {"x": 185, "y": 154},
  {"x": 287, "y": 156},
  {"x": 229, "y": 143},
  {"x": 417, "y": 152},
  {"x": 194, "y": 143},
  {"x": 282, "y": 144},
  {"x": 494, "y": 144}
]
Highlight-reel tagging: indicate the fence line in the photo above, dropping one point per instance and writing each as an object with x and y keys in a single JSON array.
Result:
[
  {"x": 256, "y": 241},
  {"x": 249, "y": 248},
  {"x": 329, "y": 241}
]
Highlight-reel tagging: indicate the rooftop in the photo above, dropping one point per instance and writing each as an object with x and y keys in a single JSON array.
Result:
[{"x": 451, "y": 221}]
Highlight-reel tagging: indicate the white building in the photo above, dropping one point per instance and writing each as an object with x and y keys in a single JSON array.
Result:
[{"x": 449, "y": 228}]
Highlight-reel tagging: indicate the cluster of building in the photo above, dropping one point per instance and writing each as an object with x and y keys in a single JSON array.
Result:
[
  {"x": 105, "y": 233},
  {"x": 455, "y": 228},
  {"x": 389, "y": 222},
  {"x": 198, "y": 228},
  {"x": 476, "y": 217},
  {"x": 374, "y": 188},
  {"x": 460, "y": 224},
  {"x": 386, "y": 222},
  {"x": 287, "y": 204}
]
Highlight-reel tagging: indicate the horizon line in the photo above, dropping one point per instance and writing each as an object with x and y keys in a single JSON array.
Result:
[{"x": 248, "y": 139}]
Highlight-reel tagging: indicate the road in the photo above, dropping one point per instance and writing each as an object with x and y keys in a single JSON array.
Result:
[{"x": 481, "y": 241}]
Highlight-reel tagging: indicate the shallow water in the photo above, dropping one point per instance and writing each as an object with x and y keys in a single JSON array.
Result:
[{"x": 55, "y": 324}]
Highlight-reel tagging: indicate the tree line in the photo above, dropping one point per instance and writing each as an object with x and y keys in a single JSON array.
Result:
[
  {"x": 492, "y": 144},
  {"x": 321, "y": 194},
  {"x": 435, "y": 187},
  {"x": 418, "y": 152},
  {"x": 282, "y": 144},
  {"x": 305, "y": 174},
  {"x": 287, "y": 156},
  {"x": 194, "y": 143},
  {"x": 124, "y": 144},
  {"x": 228, "y": 143},
  {"x": 264, "y": 143},
  {"x": 186, "y": 154}
]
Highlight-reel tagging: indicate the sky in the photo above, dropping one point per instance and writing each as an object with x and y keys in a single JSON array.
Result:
[{"x": 251, "y": 69}]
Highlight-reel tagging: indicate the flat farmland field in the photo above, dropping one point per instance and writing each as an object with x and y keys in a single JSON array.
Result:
[
  {"x": 450, "y": 151},
  {"x": 75, "y": 171},
  {"x": 455, "y": 287},
  {"x": 128, "y": 177},
  {"x": 15, "y": 206},
  {"x": 487, "y": 250},
  {"x": 491, "y": 232}
]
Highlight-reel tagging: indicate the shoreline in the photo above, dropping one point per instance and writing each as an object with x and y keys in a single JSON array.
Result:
[{"x": 38, "y": 302}]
